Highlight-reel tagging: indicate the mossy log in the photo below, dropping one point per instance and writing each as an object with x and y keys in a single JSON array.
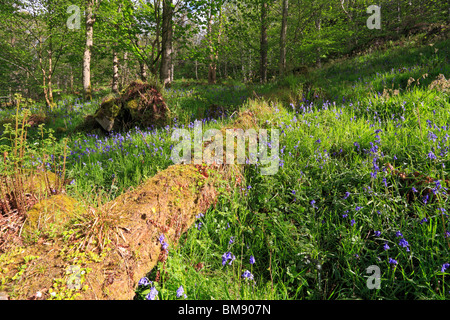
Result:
[{"x": 165, "y": 204}]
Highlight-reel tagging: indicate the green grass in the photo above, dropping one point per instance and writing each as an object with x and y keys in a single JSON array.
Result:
[{"x": 312, "y": 226}]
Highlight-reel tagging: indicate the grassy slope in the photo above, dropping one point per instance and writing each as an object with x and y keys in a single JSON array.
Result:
[
  {"x": 309, "y": 238},
  {"x": 312, "y": 239}
]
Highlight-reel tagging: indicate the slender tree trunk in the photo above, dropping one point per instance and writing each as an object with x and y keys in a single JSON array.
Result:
[
  {"x": 167, "y": 33},
  {"x": 143, "y": 70},
  {"x": 124, "y": 80},
  {"x": 318, "y": 60},
  {"x": 156, "y": 48},
  {"x": 90, "y": 20},
  {"x": 264, "y": 42},
  {"x": 172, "y": 58},
  {"x": 50, "y": 75},
  {"x": 283, "y": 34},
  {"x": 196, "y": 70},
  {"x": 115, "y": 79},
  {"x": 212, "y": 62},
  {"x": 71, "y": 79}
]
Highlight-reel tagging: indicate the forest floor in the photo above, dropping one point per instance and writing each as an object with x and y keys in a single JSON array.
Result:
[{"x": 360, "y": 197}]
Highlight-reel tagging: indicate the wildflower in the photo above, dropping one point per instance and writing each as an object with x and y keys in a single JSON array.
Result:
[
  {"x": 200, "y": 215},
  {"x": 445, "y": 266},
  {"x": 398, "y": 234},
  {"x": 392, "y": 261},
  {"x": 425, "y": 199},
  {"x": 423, "y": 220},
  {"x": 152, "y": 294},
  {"x": 247, "y": 275},
  {"x": 403, "y": 243},
  {"x": 144, "y": 282},
  {"x": 198, "y": 225},
  {"x": 252, "y": 259},
  {"x": 414, "y": 189},
  {"x": 431, "y": 155},
  {"x": 227, "y": 256},
  {"x": 358, "y": 208},
  {"x": 352, "y": 222},
  {"x": 164, "y": 244},
  {"x": 180, "y": 292},
  {"x": 231, "y": 240},
  {"x": 347, "y": 194},
  {"x": 377, "y": 233},
  {"x": 386, "y": 246}
]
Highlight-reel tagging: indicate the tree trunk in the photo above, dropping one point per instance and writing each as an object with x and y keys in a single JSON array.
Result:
[
  {"x": 143, "y": 70},
  {"x": 115, "y": 79},
  {"x": 196, "y": 70},
  {"x": 283, "y": 34},
  {"x": 167, "y": 33},
  {"x": 318, "y": 61},
  {"x": 124, "y": 80},
  {"x": 172, "y": 58},
  {"x": 71, "y": 79},
  {"x": 212, "y": 62},
  {"x": 90, "y": 19},
  {"x": 50, "y": 75},
  {"x": 264, "y": 42}
]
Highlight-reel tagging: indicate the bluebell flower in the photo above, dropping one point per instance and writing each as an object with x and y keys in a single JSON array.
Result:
[
  {"x": 377, "y": 233},
  {"x": 247, "y": 275},
  {"x": 386, "y": 246},
  {"x": 403, "y": 243},
  {"x": 252, "y": 259},
  {"x": 431, "y": 155},
  {"x": 398, "y": 234},
  {"x": 423, "y": 220},
  {"x": 152, "y": 294},
  {"x": 392, "y": 261},
  {"x": 144, "y": 282},
  {"x": 227, "y": 256},
  {"x": 445, "y": 266},
  {"x": 347, "y": 194},
  {"x": 180, "y": 292}
]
